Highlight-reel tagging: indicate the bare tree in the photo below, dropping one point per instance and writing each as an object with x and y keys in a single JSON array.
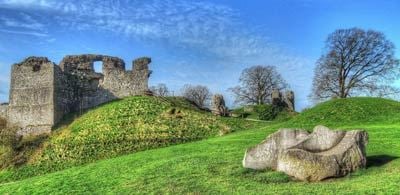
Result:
[
  {"x": 257, "y": 84},
  {"x": 357, "y": 62},
  {"x": 160, "y": 89},
  {"x": 198, "y": 94}
]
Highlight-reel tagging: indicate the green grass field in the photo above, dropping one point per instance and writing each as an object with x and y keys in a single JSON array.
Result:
[
  {"x": 114, "y": 129},
  {"x": 213, "y": 165}
]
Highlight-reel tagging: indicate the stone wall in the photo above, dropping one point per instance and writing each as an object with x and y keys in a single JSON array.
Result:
[
  {"x": 42, "y": 92},
  {"x": 218, "y": 105},
  {"x": 32, "y": 94},
  {"x": 289, "y": 100},
  {"x": 65, "y": 97},
  {"x": 283, "y": 100},
  {"x": 123, "y": 83},
  {"x": 3, "y": 111},
  {"x": 83, "y": 83}
]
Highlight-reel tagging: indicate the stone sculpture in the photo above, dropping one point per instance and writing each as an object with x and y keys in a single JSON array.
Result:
[{"x": 310, "y": 157}]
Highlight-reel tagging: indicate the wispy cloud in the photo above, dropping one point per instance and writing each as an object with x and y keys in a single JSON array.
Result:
[
  {"x": 29, "y": 33},
  {"x": 29, "y": 4},
  {"x": 21, "y": 23},
  {"x": 24, "y": 21},
  {"x": 202, "y": 26},
  {"x": 215, "y": 32}
]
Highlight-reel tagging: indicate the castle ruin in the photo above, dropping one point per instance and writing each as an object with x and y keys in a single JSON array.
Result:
[
  {"x": 283, "y": 100},
  {"x": 42, "y": 93}
]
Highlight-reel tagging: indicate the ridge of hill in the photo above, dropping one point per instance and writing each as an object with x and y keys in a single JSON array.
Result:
[{"x": 348, "y": 111}]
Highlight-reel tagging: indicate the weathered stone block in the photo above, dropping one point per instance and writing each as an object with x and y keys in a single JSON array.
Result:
[
  {"x": 311, "y": 157},
  {"x": 265, "y": 155}
]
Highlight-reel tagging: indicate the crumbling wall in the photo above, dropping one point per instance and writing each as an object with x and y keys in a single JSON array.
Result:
[
  {"x": 64, "y": 95},
  {"x": 31, "y": 105},
  {"x": 123, "y": 83},
  {"x": 83, "y": 82},
  {"x": 92, "y": 88},
  {"x": 218, "y": 105},
  {"x": 276, "y": 97},
  {"x": 84, "y": 63},
  {"x": 3, "y": 111},
  {"x": 42, "y": 93},
  {"x": 286, "y": 100},
  {"x": 289, "y": 100}
]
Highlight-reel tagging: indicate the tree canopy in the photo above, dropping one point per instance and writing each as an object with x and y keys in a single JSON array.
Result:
[
  {"x": 356, "y": 62},
  {"x": 256, "y": 85}
]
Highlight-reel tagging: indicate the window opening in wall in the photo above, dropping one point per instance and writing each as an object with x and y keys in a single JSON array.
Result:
[{"x": 98, "y": 66}]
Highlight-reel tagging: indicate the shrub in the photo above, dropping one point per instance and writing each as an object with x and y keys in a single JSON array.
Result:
[
  {"x": 285, "y": 115},
  {"x": 240, "y": 113},
  {"x": 15, "y": 150},
  {"x": 6, "y": 156},
  {"x": 3, "y": 123},
  {"x": 266, "y": 112},
  {"x": 8, "y": 137},
  {"x": 9, "y": 142}
]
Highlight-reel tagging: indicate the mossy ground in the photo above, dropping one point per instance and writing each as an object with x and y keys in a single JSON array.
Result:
[{"x": 213, "y": 166}]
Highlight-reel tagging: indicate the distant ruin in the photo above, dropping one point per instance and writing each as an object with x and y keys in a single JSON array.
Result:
[
  {"x": 283, "y": 100},
  {"x": 218, "y": 105},
  {"x": 42, "y": 93}
]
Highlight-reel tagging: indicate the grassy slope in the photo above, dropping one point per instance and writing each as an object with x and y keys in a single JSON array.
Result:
[
  {"x": 133, "y": 124},
  {"x": 355, "y": 111},
  {"x": 214, "y": 165},
  {"x": 122, "y": 127}
]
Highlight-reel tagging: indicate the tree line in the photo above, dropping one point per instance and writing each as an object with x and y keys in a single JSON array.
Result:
[{"x": 354, "y": 62}]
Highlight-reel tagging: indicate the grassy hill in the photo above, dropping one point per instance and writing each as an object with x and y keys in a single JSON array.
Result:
[
  {"x": 214, "y": 165},
  {"x": 121, "y": 127},
  {"x": 359, "y": 110}
]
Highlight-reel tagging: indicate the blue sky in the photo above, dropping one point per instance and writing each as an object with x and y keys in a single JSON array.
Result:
[{"x": 199, "y": 41}]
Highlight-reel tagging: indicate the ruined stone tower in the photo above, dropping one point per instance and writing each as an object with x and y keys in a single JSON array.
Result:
[
  {"x": 42, "y": 92},
  {"x": 286, "y": 100},
  {"x": 218, "y": 105}
]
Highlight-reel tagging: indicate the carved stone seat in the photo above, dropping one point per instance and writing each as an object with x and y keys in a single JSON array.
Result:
[{"x": 312, "y": 157}]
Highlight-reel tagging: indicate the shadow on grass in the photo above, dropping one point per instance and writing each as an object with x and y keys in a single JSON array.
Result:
[
  {"x": 379, "y": 160},
  {"x": 262, "y": 176}
]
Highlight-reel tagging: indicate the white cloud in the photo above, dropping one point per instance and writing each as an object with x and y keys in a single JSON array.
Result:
[
  {"x": 22, "y": 24},
  {"x": 29, "y": 4},
  {"x": 204, "y": 26},
  {"x": 213, "y": 31},
  {"x": 25, "y": 21},
  {"x": 29, "y": 33}
]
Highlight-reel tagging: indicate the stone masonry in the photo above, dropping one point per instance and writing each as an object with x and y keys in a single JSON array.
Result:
[
  {"x": 3, "y": 110},
  {"x": 286, "y": 100},
  {"x": 218, "y": 105},
  {"x": 42, "y": 93}
]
